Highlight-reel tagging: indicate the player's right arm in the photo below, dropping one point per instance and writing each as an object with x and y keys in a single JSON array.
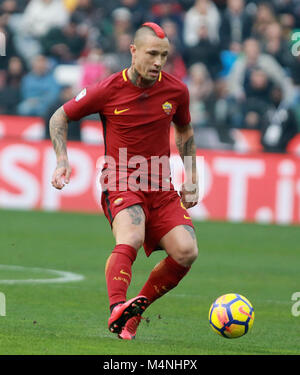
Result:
[
  {"x": 58, "y": 128},
  {"x": 90, "y": 100}
]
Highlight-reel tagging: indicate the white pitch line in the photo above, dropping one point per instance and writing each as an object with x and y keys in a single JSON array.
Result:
[{"x": 64, "y": 276}]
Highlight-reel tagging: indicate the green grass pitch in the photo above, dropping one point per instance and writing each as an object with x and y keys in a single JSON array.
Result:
[{"x": 260, "y": 262}]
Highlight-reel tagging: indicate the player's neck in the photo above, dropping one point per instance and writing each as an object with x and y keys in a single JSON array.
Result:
[{"x": 137, "y": 79}]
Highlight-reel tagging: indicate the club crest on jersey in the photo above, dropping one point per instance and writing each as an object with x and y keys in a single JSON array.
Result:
[
  {"x": 80, "y": 95},
  {"x": 167, "y": 107}
]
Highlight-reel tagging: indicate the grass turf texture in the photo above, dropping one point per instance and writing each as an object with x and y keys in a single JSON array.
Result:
[{"x": 257, "y": 261}]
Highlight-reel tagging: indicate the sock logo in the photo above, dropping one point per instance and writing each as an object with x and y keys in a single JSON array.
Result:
[
  {"x": 162, "y": 290},
  {"x": 118, "y": 278},
  {"x": 124, "y": 273}
]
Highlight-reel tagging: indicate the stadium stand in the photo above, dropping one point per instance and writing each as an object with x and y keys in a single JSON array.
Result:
[{"x": 239, "y": 58}]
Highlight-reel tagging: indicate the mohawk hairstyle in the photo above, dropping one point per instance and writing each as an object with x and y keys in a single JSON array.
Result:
[{"x": 156, "y": 28}]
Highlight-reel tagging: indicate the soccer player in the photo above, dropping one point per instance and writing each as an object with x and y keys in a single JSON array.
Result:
[{"x": 137, "y": 106}]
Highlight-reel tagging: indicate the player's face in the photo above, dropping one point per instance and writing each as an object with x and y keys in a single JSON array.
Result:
[{"x": 149, "y": 57}]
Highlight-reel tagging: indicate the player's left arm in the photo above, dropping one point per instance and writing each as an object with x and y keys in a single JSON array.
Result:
[{"x": 184, "y": 138}]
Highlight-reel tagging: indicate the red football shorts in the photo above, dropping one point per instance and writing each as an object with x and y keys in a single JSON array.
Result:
[{"x": 163, "y": 210}]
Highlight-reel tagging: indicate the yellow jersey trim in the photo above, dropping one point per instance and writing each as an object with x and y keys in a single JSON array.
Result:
[{"x": 124, "y": 75}]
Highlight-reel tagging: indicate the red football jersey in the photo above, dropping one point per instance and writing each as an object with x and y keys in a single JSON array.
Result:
[{"x": 136, "y": 121}]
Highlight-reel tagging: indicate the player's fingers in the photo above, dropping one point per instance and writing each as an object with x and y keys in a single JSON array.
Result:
[
  {"x": 189, "y": 199},
  {"x": 189, "y": 204},
  {"x": 57, "y": 180},
  {"x": 67, "y": 176},
  {"x": 57, "y": 184}
]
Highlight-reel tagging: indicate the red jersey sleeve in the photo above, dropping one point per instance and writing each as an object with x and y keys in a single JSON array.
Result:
[
  {"x": 182, "y": 116},
  {"x": 90, "y": 100}
]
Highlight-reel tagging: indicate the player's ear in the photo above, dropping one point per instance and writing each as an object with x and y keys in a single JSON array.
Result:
[
  {"x": 132, "y": 49},
  {"x": 133, "y": 52}
]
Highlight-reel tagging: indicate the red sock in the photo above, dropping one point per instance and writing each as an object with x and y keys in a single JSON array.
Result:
[
  {"x": 164, "y": 277},
  {"x": 118, "y": 272}
]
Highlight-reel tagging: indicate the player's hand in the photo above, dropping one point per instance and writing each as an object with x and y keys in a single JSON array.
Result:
[
  {"x": 61, "y": 175},
  {"x": 189, "y": 194}
]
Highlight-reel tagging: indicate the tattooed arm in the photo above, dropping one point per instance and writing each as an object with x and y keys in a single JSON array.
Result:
[
  {"x": 184, "y": 138},
  {"x": 58, "y": 128}
]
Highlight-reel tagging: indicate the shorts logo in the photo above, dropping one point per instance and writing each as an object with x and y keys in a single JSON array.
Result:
[
  {"x": 81, "y": 95},
  {"x": 118, "y": 201},
  {"x": 185, "y": 216},
  {"x": 167, "y": 107}
]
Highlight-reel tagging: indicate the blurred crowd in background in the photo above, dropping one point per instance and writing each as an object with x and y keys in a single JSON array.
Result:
[{"x": 238, "y": 58}]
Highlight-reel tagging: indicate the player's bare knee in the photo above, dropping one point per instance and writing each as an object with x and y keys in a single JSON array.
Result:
[
  {"x": 194, "y": 254},
  {"x": 186, "y": 254},
  {"x": 133, "y": 239},
  {"x": 191, "y": 255}
]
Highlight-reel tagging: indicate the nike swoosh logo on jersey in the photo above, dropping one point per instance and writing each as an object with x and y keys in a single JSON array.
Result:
[
  {"x": 116, "y": 112},
  {"x": 186, "y": 217}
]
